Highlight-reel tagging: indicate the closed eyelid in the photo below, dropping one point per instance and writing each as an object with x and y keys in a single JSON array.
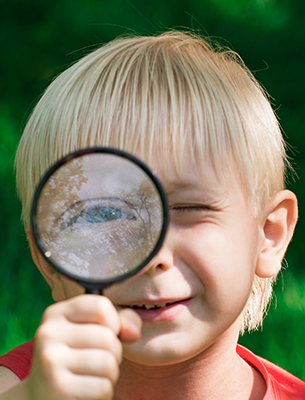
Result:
[
  {"x": 194, "y": 207},
  {"x": 190, "y": 208}
]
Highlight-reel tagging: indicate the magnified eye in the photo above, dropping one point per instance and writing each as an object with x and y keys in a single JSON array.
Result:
[
  {"x": 96, "y": 211},
  {"x": 99, "y": 214}
]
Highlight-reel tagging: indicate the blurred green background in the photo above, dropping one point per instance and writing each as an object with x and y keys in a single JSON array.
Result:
[{"x": 39, "y": 39}]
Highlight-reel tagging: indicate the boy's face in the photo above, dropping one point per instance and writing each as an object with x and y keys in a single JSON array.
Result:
[{"x": 205, "y": 269}]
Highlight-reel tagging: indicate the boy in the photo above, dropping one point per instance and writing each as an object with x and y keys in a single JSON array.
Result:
[{"x": 201, "y": 121}]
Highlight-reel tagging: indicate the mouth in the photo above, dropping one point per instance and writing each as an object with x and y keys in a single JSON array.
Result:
[
  {"x": 150, "y": 306},
  {"x": 159, "y": 312}
]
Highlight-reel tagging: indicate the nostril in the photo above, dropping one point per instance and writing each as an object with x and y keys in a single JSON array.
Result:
[{"x": 157, "y": 269}]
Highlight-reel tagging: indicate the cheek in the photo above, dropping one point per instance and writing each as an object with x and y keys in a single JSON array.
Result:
[{"x": 224, "y": 261}]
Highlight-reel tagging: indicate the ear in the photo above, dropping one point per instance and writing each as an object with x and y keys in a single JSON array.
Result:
[
  {"x": 278, "y": 225},
  {"x": 52, "y": 277}
]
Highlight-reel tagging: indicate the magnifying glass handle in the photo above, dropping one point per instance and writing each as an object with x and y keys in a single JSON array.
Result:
[{"x": 94, "y": 291}]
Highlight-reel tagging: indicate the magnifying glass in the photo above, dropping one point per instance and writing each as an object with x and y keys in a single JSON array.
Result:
[{"x": 98, "y": 216}]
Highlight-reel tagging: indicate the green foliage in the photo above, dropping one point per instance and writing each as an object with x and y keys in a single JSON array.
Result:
[
  {"x": 40, "y": 39},
  {"x": 24, "y": 294}
]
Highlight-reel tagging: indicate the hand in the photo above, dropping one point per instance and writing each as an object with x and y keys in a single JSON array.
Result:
[{"x": 77, "y": 350}]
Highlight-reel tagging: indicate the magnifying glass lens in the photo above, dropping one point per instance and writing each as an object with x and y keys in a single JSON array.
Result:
[{"x": 99, "y": 217}]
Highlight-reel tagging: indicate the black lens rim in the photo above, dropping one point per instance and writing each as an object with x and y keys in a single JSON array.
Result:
[{"x": 98, "y": 284}]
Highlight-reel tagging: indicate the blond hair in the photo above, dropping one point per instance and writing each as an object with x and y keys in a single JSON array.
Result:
[{"x": 166, "y": 93}]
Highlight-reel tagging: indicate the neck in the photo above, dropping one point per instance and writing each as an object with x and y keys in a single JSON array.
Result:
[{"x": 212, "y": 374}]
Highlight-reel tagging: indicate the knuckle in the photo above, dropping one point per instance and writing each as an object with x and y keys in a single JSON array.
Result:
[
  {"x": 118, "y": 351},
  {"x": 104, "y": 305},
  {"x": 49, "y": 312},
  {"x": 62, "y": 383},
  {"x": 112, "y": 367},
  {"x": 108, "y": 337},
  {"x": 93, "y": 389},
  {"x": 106, "y": 389},
  {"x": 48, "y": 359},
  {"x": 52, "y": 357},
  {"x": 93, "y": 305},
  {"x": 43, "y": 333},
  {"x": 111, "y": 342}
]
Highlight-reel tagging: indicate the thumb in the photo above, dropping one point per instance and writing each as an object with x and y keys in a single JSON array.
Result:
[{"x": 131, "y": 325}]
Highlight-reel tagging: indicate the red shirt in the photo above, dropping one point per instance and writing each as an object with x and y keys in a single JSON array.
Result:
[
  {"x": 19, "y": 360},
  {"x": 280, "y": 384}
]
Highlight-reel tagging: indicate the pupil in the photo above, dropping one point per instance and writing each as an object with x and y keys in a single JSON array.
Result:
[
  {"x": 109, "y": 214},
  {"x": 103, "y": 214}
]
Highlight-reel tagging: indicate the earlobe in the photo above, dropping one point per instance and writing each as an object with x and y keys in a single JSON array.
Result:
[
  {"x": 278, "y": 226},
  {"x": 51, "y": 276}
]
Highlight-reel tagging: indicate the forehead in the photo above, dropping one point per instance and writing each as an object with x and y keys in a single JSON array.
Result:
[{"x": 188, "y": 173}]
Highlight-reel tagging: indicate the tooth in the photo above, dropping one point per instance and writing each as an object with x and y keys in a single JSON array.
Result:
[{"x": 148, "y": 306}]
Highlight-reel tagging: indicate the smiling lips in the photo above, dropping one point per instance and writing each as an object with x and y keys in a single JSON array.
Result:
[
  {"x": 150, "y": 306},
  {"x": 159, "y": 312}
]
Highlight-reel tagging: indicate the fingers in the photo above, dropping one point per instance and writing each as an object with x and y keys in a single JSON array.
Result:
[
  {"x": 80, "y": 387},
  {"x": 78, "y": 349},
  {"x": 65, "y": 373},
  {"x": 90, "y": 322},
  {"x": 131, "y": 325},
  {"x": 86, "y": 309},
  {"x": 81, "y": 336},
  {"x": 100, "y": 363}
]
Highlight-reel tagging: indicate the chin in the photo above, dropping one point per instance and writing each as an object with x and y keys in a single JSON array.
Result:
[{"x": 154, "y": 353}]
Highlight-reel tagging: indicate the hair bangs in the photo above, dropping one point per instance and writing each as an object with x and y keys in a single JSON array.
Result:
[{"x": 156, "y": 97}]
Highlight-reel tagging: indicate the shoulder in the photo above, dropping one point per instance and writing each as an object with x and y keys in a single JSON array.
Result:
[
  {"x": 18, "y": 361},
  {"x": 280, "y": 384}
]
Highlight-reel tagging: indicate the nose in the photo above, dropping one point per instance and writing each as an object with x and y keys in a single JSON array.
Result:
[{"x": 164, "y": 259}]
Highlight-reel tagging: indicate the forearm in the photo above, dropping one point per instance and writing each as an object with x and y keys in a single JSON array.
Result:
[{"x": 17, "y": 392}]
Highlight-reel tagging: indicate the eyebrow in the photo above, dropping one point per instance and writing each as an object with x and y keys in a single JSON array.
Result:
[{"x": 174, "y": 186}]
